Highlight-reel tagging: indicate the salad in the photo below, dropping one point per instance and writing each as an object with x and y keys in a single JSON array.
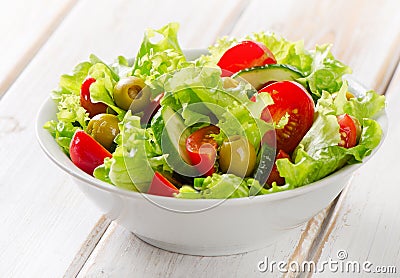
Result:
[{"x": 253, "y": 116}]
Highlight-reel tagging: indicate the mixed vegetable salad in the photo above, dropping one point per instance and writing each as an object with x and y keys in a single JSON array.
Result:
[{"x": 254, "y": 116}]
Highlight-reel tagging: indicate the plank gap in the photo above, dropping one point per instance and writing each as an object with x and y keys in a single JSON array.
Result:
[
  {"x": 308, "y": 237},
  {"x": 87, "y": 247},
  {"x": 31, "y": 52},
  {"x": 394, "y": 68},
  {"x": 326, "y": 230}
]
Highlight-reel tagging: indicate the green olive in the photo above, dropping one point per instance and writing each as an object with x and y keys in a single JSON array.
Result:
[
  {"x": 103, "y": 128},
  {"x": 131, "y": 93},
  {"x": 237, "y": 156}
]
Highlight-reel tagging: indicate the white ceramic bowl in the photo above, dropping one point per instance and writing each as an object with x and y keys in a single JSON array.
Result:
[{"x": 217, "y": 228}]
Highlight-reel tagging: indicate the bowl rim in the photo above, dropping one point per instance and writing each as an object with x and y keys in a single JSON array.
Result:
[{"x": 44, "y": 138}]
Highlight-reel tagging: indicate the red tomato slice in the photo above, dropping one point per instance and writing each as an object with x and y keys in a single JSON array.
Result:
[
  {"x": 161, "y": 186},
  {"x": 92, "y": 108},
  {"x": 202, "y": 149},
  {"x": 274, "y": 176},
  {"x": 348, "y": 131},
  {"x": 246, "y": 54},
  {"x": 87, "y": 153},
  {"x": 289, "y": 97}
]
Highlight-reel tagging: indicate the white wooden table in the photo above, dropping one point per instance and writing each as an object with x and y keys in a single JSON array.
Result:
[{"x": 49, "y": 229}]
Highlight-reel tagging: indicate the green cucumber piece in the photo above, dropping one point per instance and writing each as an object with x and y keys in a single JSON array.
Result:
[
  {"x": 259, "y": 76},
  {"x": 171, "y": 133}
]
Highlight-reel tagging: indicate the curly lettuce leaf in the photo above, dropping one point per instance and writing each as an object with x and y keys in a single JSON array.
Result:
[
  {"x": 218, "y": 187},
  {"x": 102, "y": 89},
  {"x": 156, "y": 59},
  {"x": 70, "y": 115},
  {"x": 365, "y": 106},
  {"x": 313, "y": 164},
  {"x": 135, "y": 159},
  {"x": 238, "y": 120},
  {"x": 197, "y": 93},
  {"x": 122, "y": 67},
  {"x": 326, "y": 71}
]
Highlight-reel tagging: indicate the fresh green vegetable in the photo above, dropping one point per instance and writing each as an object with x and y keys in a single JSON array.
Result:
[
  {"x": 260, "y": 76},
  {"x": 217, "y": 187},
  {"x": 71, "y": 115},
  {"x": 135, "y": 159},
  {"x": 156, "y": 59}
]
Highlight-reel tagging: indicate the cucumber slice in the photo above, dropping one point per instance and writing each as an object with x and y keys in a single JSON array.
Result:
[
  {"x": 171, "y": 133},
  {"x": 259, "y": 76}
]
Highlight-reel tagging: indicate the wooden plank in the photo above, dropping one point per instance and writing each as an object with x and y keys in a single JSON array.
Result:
[
  {"x": 367, "y": 222},
  {"x": 47, "y": 223},
  {"x": 26, "y": 25},
  {"x": 120, "y": 253},
  {"x": 319, "y": 22}
]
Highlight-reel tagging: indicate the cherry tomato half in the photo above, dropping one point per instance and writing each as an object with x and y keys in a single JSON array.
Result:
[
  {"x": 202, "y": 149},
  {"x": 274, "y": 176},
  {"x": 348, "y": 131},
  {"x": 92, "y": 108},
  {"x": 161, "y": 186},
  {"x": 246, "y": 54},
  {"x": 86, "y": 153},
  {"x": 289, "y": 97}
]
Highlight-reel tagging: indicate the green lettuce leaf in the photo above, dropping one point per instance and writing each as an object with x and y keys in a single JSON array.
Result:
[
  {"x": 199, "y": 85},
  {"x": 156, "y": 59},
  {"x": 122, "y": 67},
  {"x": 70, "y": 116},
  {"x": 102, "y": 89},
  {"x": 365, "y": 107},
  {"x": 135, "y": 158},
  {"x": 315, "y": 163},
  {"x": 218, "y": 187},
  {"x": 102, "y": 172},
  {"x": 323, "y": 133},
  {"x": 238, "y": 120},
  {"x": 326, "y": 72},
  {"x": 96, "y": 60}
]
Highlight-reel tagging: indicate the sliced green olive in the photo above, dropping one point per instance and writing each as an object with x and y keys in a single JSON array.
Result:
[
  {"x": 237, "y": 156},
  {"x": 103, "y": 128},
  {"x": 131, "y": 93}
]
